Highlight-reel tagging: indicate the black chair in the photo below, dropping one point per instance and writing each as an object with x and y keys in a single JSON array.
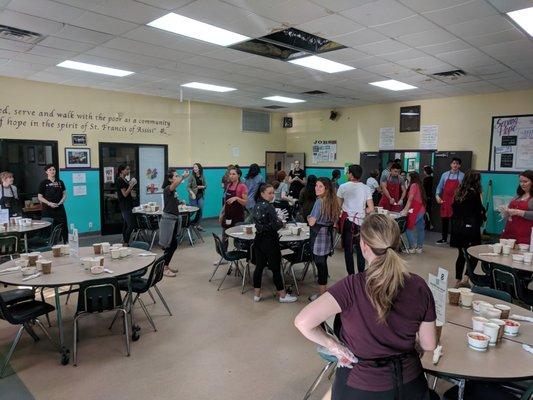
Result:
[
  {"x": 146, "y": 247},
  {"x": 54, "y": 238},
  {"x": 142, "y": 285},
  {"x": 504, "y": 280},
  {"x": 25, "y": 314},
  {"x": 402, "y": 224},
  {"x": 496, "y": 294},
  {"x": 147, "y": 227},
  {"x": 99, "y": 296},
  {"x": 9, "y": 247},
  {"x": 233, "y": 257},
  {"x": 476, "y": 279},
  {"x": 190, "y": 228},
  {"x": 300, "y": 255}
]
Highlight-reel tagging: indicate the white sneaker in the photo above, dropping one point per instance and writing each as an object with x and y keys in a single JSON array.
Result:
[
  {"x": 288, "y": 299},
  {"x": 221, "y": 262},
  {"x": 419, "y": 250},
  {"x": 257, "y": 299},
  {"x": 411, "y": 251}
]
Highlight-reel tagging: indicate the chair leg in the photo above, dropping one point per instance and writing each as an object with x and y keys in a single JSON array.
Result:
[
  {"x": 154, "y": 234},
  {"x": 197, "y": 232},
  {"x": 291, "y": 267},
  {"x": 225, "y": 275},
  {"x": 68, "y": 294},
  {"x": 150, "y": 320},
  {"x": 31, "y": 332},
  {"x": 304, "y": 272},
  {"x": 216, "y": 269},
  {"x": 11, "y": 350},
  {"x": 75, "y": 346},
  {"x": 151, "y": 295},
  {"x": 126, "y": 331},
  {"x": 317, "y": 380},
  {"x": 47, "y": 334},
  {"x": 243, "y": 279},
  {"x": 162, "y": 300},
  {"x": 43, "y": 300},
  {"x": 191, "y": 241}
]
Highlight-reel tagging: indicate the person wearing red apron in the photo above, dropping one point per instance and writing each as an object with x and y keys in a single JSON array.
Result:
[
  {"x": 415, "y": 210},
  {"x": 520, "y": 211},
  {"x": 393, "y": 190},
  {"x": 448, "y": 184},
  {"x": 235, "y": 198}
]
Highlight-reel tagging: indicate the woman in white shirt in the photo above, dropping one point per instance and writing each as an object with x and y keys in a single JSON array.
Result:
[{"x": 372, "y": 183}]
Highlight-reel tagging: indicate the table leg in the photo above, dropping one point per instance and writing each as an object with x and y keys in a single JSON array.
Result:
[
  {"x": 135, "y": 335},
  {"x": 25, "y": 242},
  {"x": 65, "y": 352}
]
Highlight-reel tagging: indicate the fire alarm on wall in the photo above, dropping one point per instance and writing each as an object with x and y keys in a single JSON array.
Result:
[{"x": 287, "y": 122}]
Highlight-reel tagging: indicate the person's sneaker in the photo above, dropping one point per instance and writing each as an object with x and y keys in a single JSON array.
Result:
[
  {"x": 441, "y": 242},
  {"x": 221, "y": 262},
  {"x": 411, "y": 251},
  {"x": 200, "y": 228},
  {"x": 167, "y": 272},
  {"x": 418, "y": 250},
  {"x": 313, "y": 297},
  {"x": 257, "y": 299},
  {"x": 288, "y": 299}
]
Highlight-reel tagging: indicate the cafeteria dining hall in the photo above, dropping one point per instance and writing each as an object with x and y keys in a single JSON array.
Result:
[{"x": 266, "y": 199}]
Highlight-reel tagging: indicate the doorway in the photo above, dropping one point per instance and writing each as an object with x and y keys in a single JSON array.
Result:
[
  {"x": 26, "y": 160},
  {"x": 276, "y": 161},
  {"x": 148, "y": 164}
]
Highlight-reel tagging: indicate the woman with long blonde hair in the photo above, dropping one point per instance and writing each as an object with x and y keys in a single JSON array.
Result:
[
  {"x": 383, "y": 311},
  {"x": 324, "y": 214}
]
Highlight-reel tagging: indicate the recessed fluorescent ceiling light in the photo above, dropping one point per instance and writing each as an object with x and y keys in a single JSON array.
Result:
[
  {"x": 524, "y": 18},
  {"x": 282, "y": 99},
  {"x": 97, "y": 69},
  {"x": 189, "y": 27},
  {"x": 393, "y": 85},
  {"x": 206, "y": 86},
  {"x": 321, "y": 64}
]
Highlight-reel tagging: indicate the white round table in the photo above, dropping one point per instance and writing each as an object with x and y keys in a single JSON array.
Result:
[
  {"x": 24, "y": 229},
  {"x": 67, "y": 270},
  {"x": 238, "y": 232},
  {"x": 480, "y": 252}
]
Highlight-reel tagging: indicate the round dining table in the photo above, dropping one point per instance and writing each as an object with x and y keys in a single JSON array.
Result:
[
  {"x": 23, "y": 230},
  {"x": 483, "y": 252},
  {"x": 239, "y": 232},
  {"x": 68, "y": 271}
]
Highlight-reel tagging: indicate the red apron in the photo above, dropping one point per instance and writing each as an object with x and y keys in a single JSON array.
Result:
[
  {"x": 234, "y": 212},
  {"x": 395, "y": 192},
  {"x": 448, "y": 193},
  {"x": 517, "y": 227},
  {"x": 417, "y": 207}
]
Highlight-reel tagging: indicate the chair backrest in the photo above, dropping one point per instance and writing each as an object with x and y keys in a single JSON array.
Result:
[
  {"x": 55, "y": 236},
  {"x": 137, "y": 244},
  {"x": 9, "y": 245},
  {"x": 156, "y": 272},
  {"x": 153, "y": 222},
  {"x": 476, "y": 279},
  {"x": 142, "y": 221},
  {"x": 504, "y": 279},
  {"x": 402, "y": 223},
  {"x": 219, "y": 247},
  {"x": 497, "y": 294},
  {"x": 99, "y": 295}
]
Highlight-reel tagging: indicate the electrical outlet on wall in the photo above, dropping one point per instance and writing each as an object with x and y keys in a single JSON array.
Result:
[{"x": 90, "y": 225}]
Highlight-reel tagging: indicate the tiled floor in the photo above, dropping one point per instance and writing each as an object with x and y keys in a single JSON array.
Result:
[{"x": 217, "y": 345}]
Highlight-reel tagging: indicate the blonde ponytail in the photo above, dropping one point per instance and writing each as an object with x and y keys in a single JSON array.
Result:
[{"x": 385, "y": 276}]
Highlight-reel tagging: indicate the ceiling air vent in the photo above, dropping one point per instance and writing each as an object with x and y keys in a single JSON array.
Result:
[
  {"x": 273, "y": 107},
  {"x": 454, "y": 74},
  {"x": 314, "y": 92},
  {"x": 20, "y": 35}
]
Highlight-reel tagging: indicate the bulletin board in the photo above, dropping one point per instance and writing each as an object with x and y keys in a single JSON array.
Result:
[{"x": 511, "y": 143}]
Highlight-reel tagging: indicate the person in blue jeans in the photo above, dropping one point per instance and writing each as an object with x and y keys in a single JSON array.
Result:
[
  {"x": 415, "y": 210},
  {"x": 196, "y": 188}
]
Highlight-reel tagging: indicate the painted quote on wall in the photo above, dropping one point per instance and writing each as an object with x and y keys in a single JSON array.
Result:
[{"x": 18, "y": 118}]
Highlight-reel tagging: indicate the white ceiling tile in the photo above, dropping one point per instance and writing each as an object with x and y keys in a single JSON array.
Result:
[
  {"x": 406, "y": 26},
  {"x": 252, "y": 25},
  {"x": 46, "y": 9},
  {"x": 65, "y": 44},
  {"x": 330, "y": 26},
  {"x": 108, "y": 62},
  {"x": 510, "y": 35},
  {"x": 488, "y": 71},
  {"x": 343, "y": 55},
  {"x": 14, "y": 45},
  {"x": 289, "y": 12},
  {"x": 508, "y": 50},
  {"x": 408, "y": 54},
  {"x": 129, "y": 10},
  {"x": 454, "y": 45},
  {"x": 481, "y": 26},
  {"x": 120, "y": 55},
  {"x": 510, "y": 5},
  {"x": 427, "y": 38},
  {"x": 383, "y": 47},
  {"x": 51, "y": 52},
  {"x": 223, "y": 53},
  {"x": 464, "y": 12},
  {"x": 213, "y": 12},
  {"x": 466, "y": 58},
  {"x": 83, "y": 35},
  {"x": 146, "y": 49},
  {"x": 103, "y": 23},
  {"x": 35, "y": 59},
  {"x": 368, "y": 61},
  {"x": 361, "y": 37},
  {"x": 340, "y": 5},
  {"x": 421, "y": 62},
  {"x": 431, "y": 5},
  {"x": 167, "y": 4},
  {"x": 29, "y": 22},
  {"x": 378, "y": 12}
]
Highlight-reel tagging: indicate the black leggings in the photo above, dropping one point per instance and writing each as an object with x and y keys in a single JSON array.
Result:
[
  {"x": 59, "y": 216},
  {"x": 445, "y": 226},
  {"x": 417, "y": 389},
  {"x": 460, "y": 264},
  {"x": 348, "y": 242},
  {"x": 127, "y": 224},
  {"x": 169, "y": 251},
  {"x": 267, "y": 254},
  {"x": 321, "y": 263}
]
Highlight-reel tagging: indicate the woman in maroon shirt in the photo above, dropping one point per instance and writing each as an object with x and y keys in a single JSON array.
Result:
[{"x": 384, "y": 312}]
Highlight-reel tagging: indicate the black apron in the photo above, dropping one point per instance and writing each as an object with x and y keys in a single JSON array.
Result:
[{"x": 10, "y": 203}]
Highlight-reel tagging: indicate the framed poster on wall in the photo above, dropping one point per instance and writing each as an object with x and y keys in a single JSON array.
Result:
[
  {"x": 511, "y": 143},
  {"x": 410, "y": 119},
  {"x": 77, "y": 157}
]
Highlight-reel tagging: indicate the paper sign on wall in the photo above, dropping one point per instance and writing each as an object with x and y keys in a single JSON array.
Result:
[
  {"x": 235, "y": 151},
  {"x": 429, "y": 136},
  {"x": 386, "y": 138},
  {"x": 79, "y": 177},
  {"x": 438, "y": 286},
  {"x": 324, "y": 151},
  {"x": 79, "y": 190},
  {"x": 109, "y": 175}
]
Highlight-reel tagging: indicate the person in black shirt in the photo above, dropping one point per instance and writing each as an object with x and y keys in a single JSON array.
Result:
[
  {"x": 196, "y": 187},
  {"x": 125, "y": 200},
  {"x": 266, "y": 243},
  {"x": 52, "y": 194},
  {"x": 169, "y": 224},
  {"x": 296, "y": 180}
]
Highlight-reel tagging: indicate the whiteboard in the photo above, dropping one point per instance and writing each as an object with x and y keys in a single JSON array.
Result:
[{"x": 511, "y": 143}]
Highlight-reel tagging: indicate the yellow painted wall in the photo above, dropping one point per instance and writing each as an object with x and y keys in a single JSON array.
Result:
[
  {"x": 193, "y": 131},
  {"x": 464, "y": 124}
]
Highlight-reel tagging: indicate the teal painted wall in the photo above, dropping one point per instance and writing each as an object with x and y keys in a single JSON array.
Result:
[
  {"x": 83, "y": 209},
  {"x": 502, "y": 185}
]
